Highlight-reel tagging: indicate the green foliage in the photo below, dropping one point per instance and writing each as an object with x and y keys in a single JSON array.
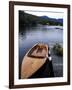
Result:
[
  {"x": 28, "y": 20},
  {"x": 58, "y": 50}
]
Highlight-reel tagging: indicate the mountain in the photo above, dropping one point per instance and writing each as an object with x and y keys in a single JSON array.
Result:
[
  {"x": 28, "y": 20},
  {"x": 60, "y": 20},
  {"x": 52, "y": 19},
  {"x": 44, "y": 17}
]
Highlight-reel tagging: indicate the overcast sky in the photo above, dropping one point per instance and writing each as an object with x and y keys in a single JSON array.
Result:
[{"x": 46, "y": 13}]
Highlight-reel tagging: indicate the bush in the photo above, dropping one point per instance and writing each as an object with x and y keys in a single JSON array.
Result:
[{"x": 58, "y": 50}]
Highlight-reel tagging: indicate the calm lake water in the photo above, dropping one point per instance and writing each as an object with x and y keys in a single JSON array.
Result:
[{"x": 43, "y": 34}]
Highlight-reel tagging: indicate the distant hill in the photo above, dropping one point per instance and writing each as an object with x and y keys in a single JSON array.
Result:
[
  {"x": 53, "y": 19},
  {"x": 60, "y": 20},
  {"x": 26, "y": 20},
  {"x": 45, "y": 17}
]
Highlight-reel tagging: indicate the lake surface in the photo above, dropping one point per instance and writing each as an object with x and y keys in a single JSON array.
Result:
[{"x": 43, "y": 34}]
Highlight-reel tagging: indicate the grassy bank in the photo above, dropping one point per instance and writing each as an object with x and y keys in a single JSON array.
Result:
[{"x": 58, "y": 49}]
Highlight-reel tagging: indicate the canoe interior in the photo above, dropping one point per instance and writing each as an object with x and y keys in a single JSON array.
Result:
[{"x": 38, "y": 51}]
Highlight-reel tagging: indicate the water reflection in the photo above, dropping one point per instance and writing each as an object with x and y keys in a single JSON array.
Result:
[{"x": 42, "y": 33}]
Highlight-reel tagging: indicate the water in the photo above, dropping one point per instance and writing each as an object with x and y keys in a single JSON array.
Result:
[{"x": 43, "y": 34}]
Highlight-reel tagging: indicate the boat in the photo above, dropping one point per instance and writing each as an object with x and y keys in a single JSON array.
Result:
[{"x": 34, "y": 59}]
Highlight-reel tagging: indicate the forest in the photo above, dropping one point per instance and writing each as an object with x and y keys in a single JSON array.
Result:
[{"x": 28, "y": 20}]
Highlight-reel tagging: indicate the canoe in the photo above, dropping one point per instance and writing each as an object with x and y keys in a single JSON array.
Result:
[{"x": 34, "y": 60}]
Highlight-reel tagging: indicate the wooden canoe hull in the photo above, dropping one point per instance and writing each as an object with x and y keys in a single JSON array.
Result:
[{"x": 31, "y": 64}]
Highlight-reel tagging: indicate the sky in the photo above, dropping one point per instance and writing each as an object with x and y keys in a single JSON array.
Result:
[{"x": 46, "y": 13}]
